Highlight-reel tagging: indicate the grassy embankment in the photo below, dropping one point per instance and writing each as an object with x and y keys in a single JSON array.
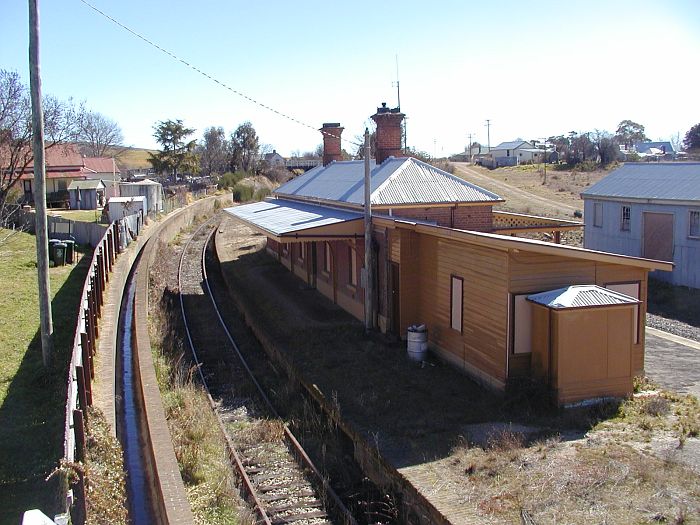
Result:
[
  {"x": 199, "y": 446},
  {"x": 32, "y": 398}
]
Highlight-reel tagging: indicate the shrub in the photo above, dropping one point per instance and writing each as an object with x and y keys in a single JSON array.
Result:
[
  {"x": 242, "y": 193},
  {"x": 229, "y": 180},
  {"x": 261, "y": 194}
]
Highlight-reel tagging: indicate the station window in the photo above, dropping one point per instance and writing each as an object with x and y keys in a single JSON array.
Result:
[
  {"x": 327, "y": 257},
  {"x": 352, "y": 256},
  {"x": 694, "y": 223},
  {"x": 626, "y": 213},
  {"x": 456, "y": 303}
]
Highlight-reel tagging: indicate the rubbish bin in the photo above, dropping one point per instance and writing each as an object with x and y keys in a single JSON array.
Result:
[
  {"x": 70, "y": 251},
  {"x": 59, "y": 254},
  {"x": 52, "y": 243},
  {"x": 417, "y": 342}
]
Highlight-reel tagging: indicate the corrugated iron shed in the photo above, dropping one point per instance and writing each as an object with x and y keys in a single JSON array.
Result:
[
  {"x": 279, "y": 216},
  {"x": 580, "y": 296},
  {"x": 650, "y": 181},
  {"x": 90, "y": 184},
  {"x": 397, "y": 181}
]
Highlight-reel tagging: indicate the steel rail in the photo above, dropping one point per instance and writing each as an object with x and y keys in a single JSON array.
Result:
[{"x": 293, "y": 444}]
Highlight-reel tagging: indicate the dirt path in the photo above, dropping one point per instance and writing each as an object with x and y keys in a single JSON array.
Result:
[{"x": 516, "y": 198}]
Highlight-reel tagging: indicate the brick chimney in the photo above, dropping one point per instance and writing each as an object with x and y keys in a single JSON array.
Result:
[
  {"x": 388, "y": 132},
  {"x": 331, "y": 142}
]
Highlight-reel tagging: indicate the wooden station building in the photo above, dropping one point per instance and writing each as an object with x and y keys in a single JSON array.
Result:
[{"x": 445, "y": 259}]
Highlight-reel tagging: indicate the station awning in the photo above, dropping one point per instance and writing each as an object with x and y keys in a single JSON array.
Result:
[{"x": 293, "y": 221}]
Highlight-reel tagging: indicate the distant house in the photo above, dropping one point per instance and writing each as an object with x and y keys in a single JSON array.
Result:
[
  {"x": 651, "y": 211},
  {"x": 514, "y": 153},
  {"x": 661, "y": 150},
  {"x": 273, "y": 159},
  {"x": 86, "y": 194},
  {"x": 64, "y": 164}
]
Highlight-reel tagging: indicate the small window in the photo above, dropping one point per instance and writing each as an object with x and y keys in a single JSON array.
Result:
[
  {"x": 285, "y": 249},
  {"x": 598, "y": 214},
  {"x": 694, "y": 223},
  {"x": 302, "y": 252},
  {"x": 352, "y": 256},
  {"x": 522, "y": 324},
  {"x": 625, "y": 219},
  {"x": 456, "y": 303},
  {"x": 327, "y": 258}
]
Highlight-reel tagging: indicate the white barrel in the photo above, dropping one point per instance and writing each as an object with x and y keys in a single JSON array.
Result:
[{"x": 417, "y": 343}]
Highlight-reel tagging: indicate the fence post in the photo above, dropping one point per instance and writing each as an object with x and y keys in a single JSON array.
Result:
[
  {"x": 82, "y": 386},
  {"x": 87, "y": 355},
  {"x": 79, "y": 428}
]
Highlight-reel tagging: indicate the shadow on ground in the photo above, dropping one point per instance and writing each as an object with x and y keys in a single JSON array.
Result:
[{"x": 32, "y": 414}]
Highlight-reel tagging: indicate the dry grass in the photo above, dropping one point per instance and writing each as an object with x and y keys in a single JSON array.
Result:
[
  {"x": 199, "y": 446},
  {"x": 609, "y": 476},
  {"x": 106, "y": 483}
]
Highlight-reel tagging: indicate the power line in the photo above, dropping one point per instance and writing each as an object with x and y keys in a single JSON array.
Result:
[{"x": 207, "y": 75}]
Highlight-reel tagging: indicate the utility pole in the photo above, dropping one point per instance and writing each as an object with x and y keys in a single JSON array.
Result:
[
  {"x": 488, "y": 134},
  {"x": 369, "y": 268},
  {"x": 42, "y": 241},
  {"x": 470, "y": 148}
]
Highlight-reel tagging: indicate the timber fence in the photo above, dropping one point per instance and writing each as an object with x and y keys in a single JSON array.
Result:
[{"x": 81, "y": 371}]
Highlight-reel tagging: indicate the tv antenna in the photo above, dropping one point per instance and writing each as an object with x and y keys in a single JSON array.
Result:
[{"x": 398, "y": 89}]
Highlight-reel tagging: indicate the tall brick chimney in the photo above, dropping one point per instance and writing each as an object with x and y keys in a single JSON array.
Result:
[
  {"x": 388, "y": 132},
  {"x": 331, "y": 142}
]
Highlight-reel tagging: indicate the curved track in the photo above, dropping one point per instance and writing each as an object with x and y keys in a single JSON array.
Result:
[{"x": 277, "y": 476}]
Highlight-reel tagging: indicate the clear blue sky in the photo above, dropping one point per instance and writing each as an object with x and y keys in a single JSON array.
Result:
[{"x": 534, "y": 68}]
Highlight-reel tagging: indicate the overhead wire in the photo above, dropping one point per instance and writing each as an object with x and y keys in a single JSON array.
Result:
[{"x": 212, "y": 78}]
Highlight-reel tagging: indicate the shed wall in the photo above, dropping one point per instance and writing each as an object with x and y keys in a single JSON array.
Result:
[{"x": 608, "y": 237}]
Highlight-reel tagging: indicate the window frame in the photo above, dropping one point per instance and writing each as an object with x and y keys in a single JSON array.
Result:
[
  {"x": 352, "y": 267},
  {"x": 597, "y": 214},
  {"x": 625, "y": 218},
  {"x": 327, "y": 262},
  {"x": 457, "y": 279},
  {"x": 692, "y": 235}
]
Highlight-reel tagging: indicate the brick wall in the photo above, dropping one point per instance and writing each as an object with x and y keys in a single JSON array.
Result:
[{"x": 475, "y": 218}]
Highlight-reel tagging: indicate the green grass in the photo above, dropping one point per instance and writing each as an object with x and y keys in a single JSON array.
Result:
[
  {"x": 32, "y": 398},
  {"x": 78, "y": 215}
]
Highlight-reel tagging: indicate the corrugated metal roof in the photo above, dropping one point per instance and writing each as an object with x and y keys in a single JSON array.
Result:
[
  {"x": 514, "y": 144},
  {"x": 280, "y": 216},
  {"x": 644, "y": 147},
  {"x": 581, "y": 296},
  {"x": 397, "y": 181},
  {"x": 90, "y": 184},
  {"x": 651, "y": 180}
]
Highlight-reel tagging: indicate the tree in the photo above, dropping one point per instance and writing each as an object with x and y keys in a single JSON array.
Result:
[
  {"x": 692, "y": 138},
  {"x": 244, "y": 147},
  {"x": 607, "y": 146},
  {"x": 215, "y": 151},
  {"x": 629, "y": 133},
  {"x": 177, "y": 156},
  {"x": 61, "y": 125},
  {"x": 100, "y": 135}
]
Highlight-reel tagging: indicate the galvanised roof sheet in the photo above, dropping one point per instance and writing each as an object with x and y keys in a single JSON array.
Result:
[
  {"x": 514, "y": 144},
  {"x": 88, "y": 184},
  {"x": 397, "y": 181},
  {"x": 279, "y": 216},
  {"x": 650, "y": 180},
  {"x": 581, "y": 296}
]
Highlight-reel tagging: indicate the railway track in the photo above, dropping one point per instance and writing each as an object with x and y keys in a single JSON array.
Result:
[{"x": 277, "y": 476}]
